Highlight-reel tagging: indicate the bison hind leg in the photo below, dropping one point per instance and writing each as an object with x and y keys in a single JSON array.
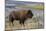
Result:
[{"x": 11, "y": 22}]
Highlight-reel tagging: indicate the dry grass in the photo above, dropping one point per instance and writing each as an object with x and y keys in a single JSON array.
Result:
[
  {"x": 37, "y": 7},
  {"x": 18, "y": 26}
]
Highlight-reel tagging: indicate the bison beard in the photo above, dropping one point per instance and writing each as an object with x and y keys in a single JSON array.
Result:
[{"x": 21, "y": 19}]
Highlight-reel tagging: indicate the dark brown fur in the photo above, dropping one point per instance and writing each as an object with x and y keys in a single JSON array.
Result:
[{"x": 21, "y": 15}]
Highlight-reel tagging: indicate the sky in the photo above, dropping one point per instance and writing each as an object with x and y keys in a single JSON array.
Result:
[
  {"x": 13, "y": 3},
  {"x": 21, "y": 2}
]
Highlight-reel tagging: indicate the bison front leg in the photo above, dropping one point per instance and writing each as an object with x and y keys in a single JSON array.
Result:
[{"x": 22, "y": 23}]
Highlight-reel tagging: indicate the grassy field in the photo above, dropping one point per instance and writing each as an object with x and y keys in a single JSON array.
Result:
[
  {"x": 18, "y": 26},
  {"x": 37, "y": 7}
]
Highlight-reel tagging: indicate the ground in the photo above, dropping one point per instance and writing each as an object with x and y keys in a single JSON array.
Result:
[{"x": 28, "y": 25}]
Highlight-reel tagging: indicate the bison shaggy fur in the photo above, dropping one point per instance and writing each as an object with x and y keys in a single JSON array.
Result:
[{"x": 20, "y": 15}]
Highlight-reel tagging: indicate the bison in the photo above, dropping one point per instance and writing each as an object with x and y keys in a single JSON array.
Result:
[{"x": 20, "y": 15}]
